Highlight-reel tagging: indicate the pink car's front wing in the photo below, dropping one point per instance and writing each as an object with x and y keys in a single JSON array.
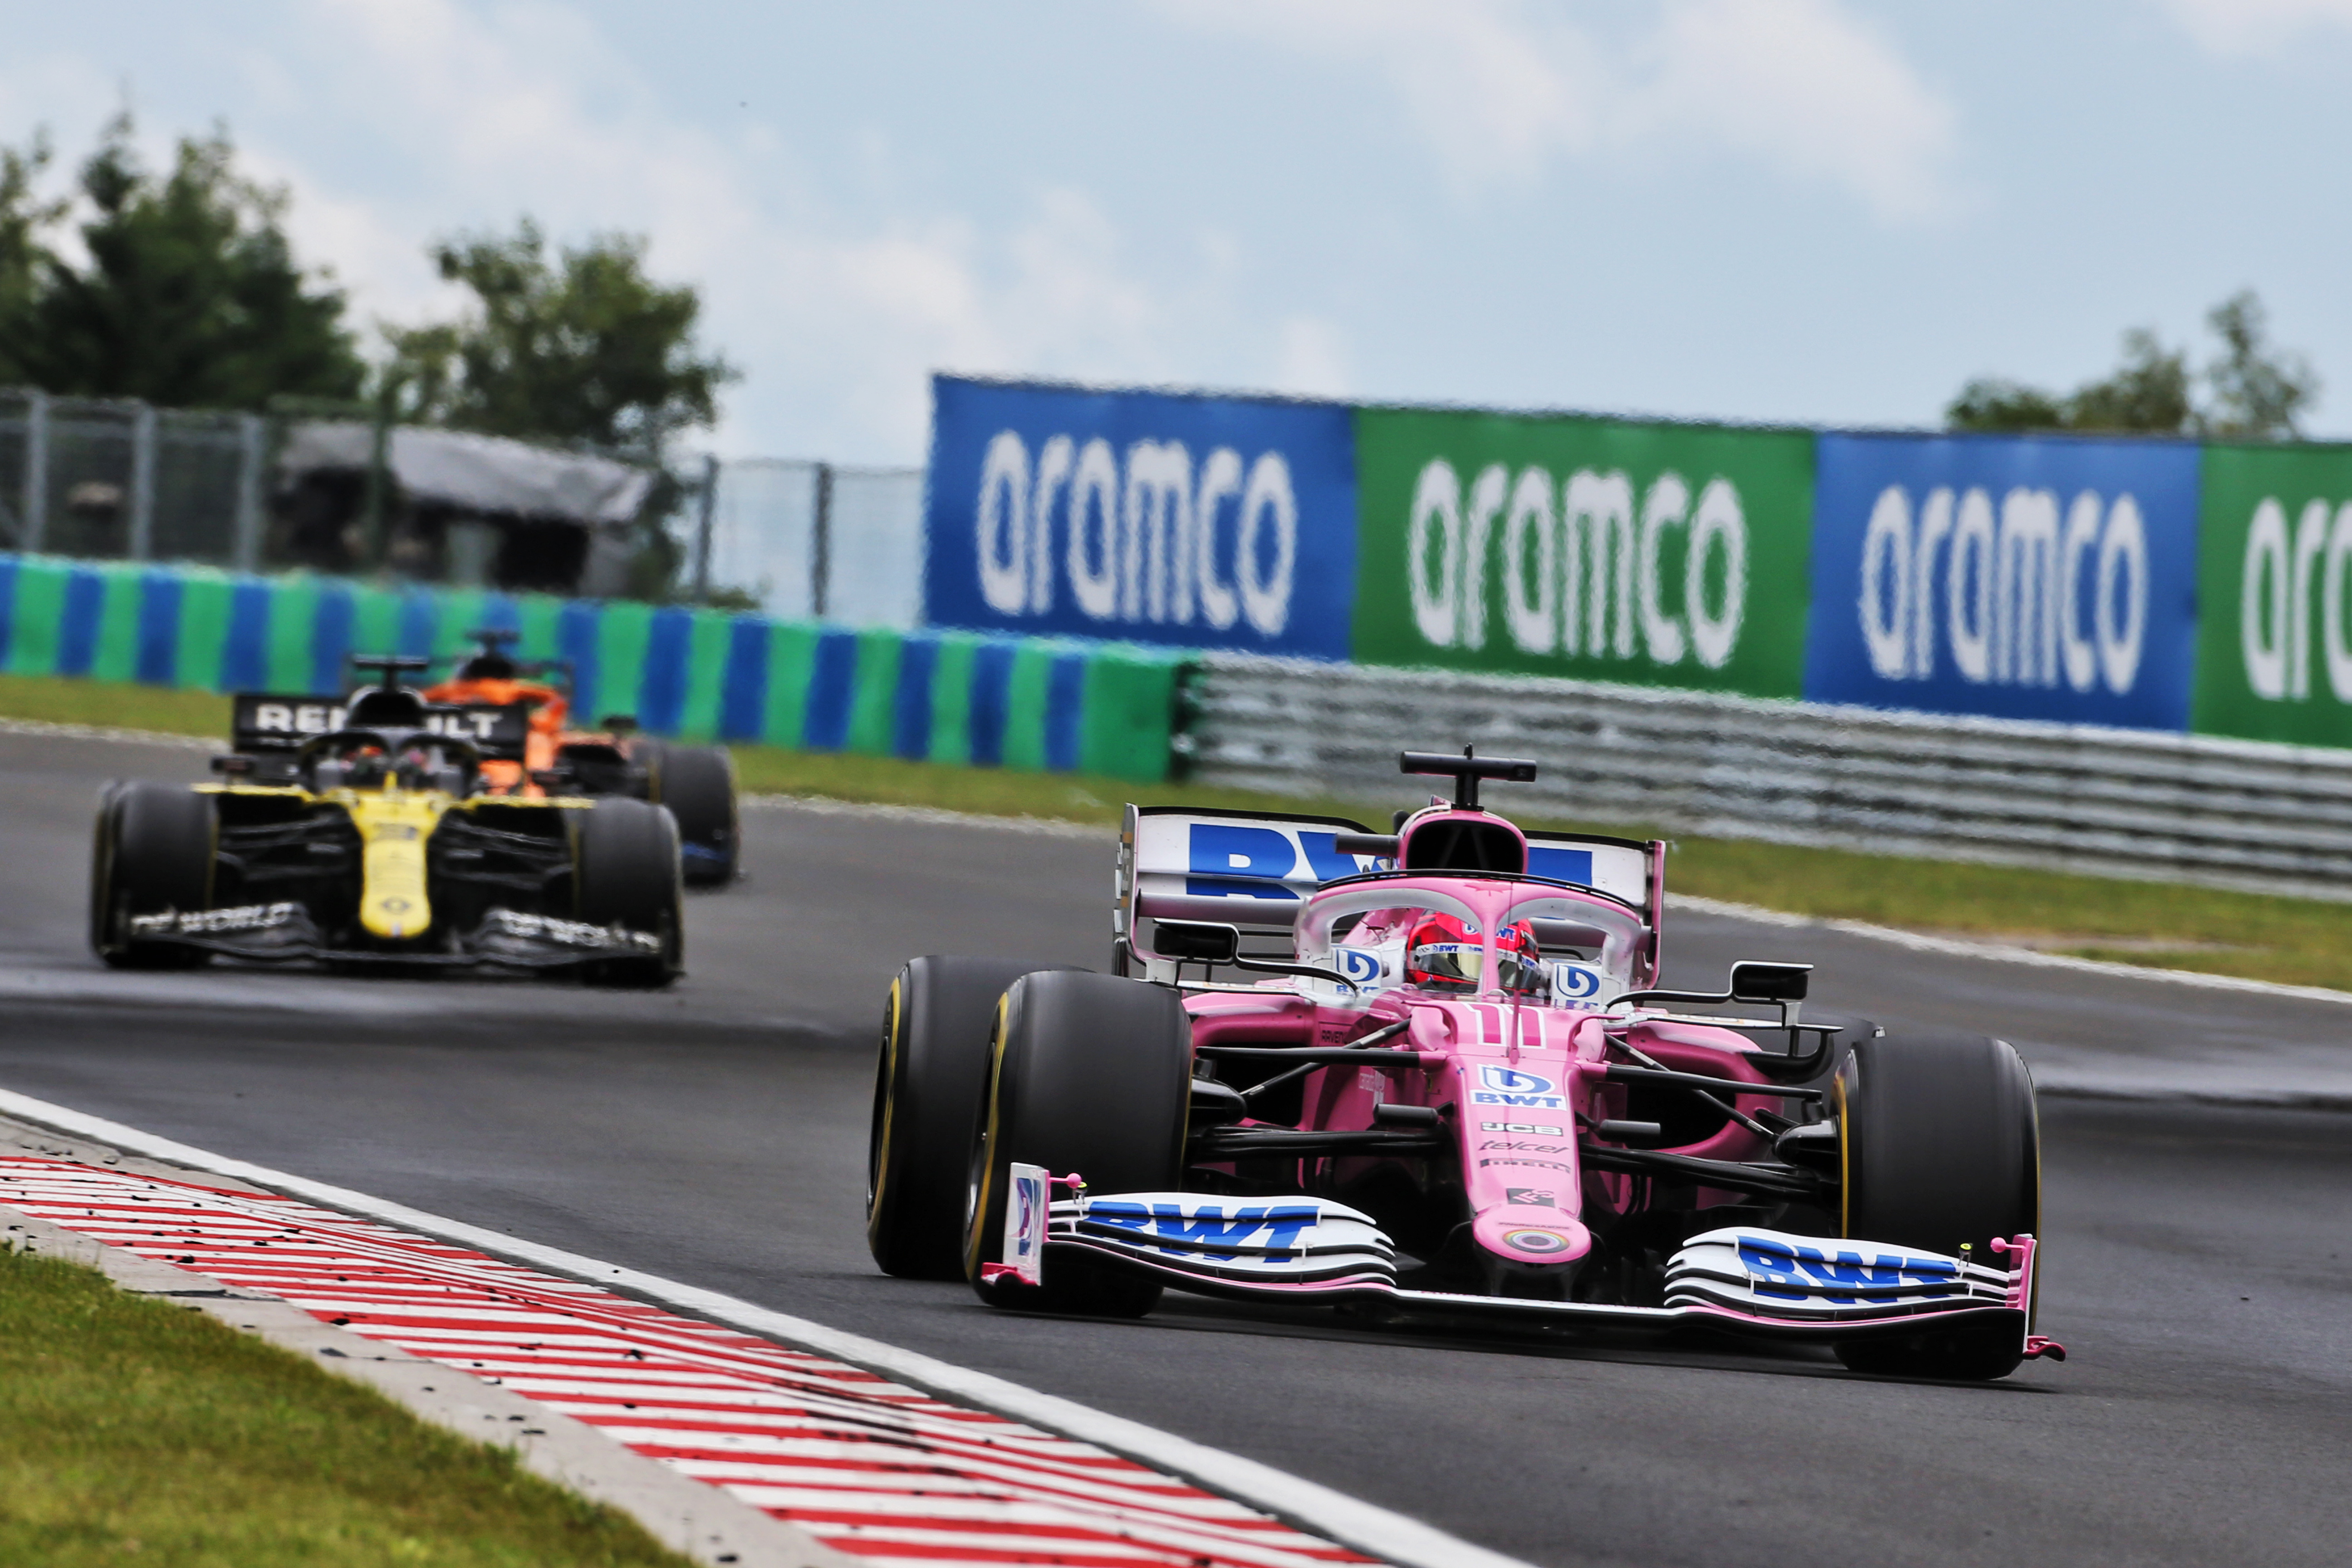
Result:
[{"x": 1742, "y": 1280}]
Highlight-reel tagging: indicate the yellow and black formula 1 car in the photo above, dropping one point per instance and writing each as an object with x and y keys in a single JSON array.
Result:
[{"x": 373, "y": 843}]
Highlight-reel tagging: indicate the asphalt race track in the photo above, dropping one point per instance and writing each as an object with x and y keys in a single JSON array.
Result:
[{"x": 2200, "y": 1261}]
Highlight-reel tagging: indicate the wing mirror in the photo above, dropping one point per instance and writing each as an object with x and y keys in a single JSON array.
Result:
[
  {"x": 1754, "y": 981},
  {"x": 1196, "y": 942}
]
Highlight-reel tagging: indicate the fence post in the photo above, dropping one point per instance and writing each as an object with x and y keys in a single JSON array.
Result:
[
  {"x": 37, "y": 472},
  {"x": 702, "y": 530},
  {"x": 821, "y": 542},
  {"x": 244, "y": 549},
  {"x": 142, "y": 482}
]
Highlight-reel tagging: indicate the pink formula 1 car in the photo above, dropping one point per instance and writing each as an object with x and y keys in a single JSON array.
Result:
[{"x": 1460, "y": 1094}]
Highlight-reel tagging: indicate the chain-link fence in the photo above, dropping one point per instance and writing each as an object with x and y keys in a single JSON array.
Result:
[
  {"x": 109, "y": 480},
  {"x": 121, "y": 481},
  {"x": 815, "y": 541}
]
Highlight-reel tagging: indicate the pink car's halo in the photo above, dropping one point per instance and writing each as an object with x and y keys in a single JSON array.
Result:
[{"x": 1432, "y": 1072}]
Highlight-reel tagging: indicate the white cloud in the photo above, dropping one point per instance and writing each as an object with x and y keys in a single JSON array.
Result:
[
  {"x": 2257, "y": 26},
  {"x": 1503, "y": 88},
  {"x": 440, "y": 116},
  {"x": 1311, "y": 358}
]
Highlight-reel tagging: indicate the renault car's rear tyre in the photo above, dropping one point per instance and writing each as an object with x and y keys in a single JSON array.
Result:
[
  {"x": 626, "y": 874},
  {"x": 152, "y": 854},
  {"x": 936, "y": 1030},
  {"x": 698, "y": 785},
  {"x": 1089, "y": 1075},
  {"x": 1941, "y": 1150}
]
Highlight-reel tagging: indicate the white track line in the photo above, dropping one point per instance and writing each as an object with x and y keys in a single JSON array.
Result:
[
  {"x": 1996, "y": 952},
  {"x": 109, "y": 732},
  {"x": 1367, "y": 1528}
]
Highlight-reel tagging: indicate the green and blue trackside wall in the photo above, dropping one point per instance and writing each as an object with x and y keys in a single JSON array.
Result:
[{"x": 968, "y": 699}]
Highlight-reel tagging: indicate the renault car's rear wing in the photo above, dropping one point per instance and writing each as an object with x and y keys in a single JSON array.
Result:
[{"x": 264, "y": 723}]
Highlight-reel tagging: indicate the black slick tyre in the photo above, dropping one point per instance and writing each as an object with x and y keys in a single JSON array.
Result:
[
  {"x": 937, "y": 1027},
  {"x": 1090, "y": 1074},
  {"x": 153, "y": 852},
  {"x": 626, "y": 873},
  {"x": 1940, "y": 1148},
  {"x": 698, "y": 785}
]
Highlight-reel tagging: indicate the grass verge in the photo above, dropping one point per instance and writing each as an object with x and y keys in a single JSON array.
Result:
[
  {"x": 2299, "y": 942},
  {"x": 135, "y": 1431}
]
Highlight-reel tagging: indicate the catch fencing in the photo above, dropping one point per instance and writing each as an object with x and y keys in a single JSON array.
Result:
[
  {"x": 2230, "y": 813},
  {"x": 808, "y": 541},
  {"x": 128, "y": 481}
]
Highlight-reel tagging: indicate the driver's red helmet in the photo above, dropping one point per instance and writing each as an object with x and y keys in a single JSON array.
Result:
[{"x": 1444, "y": 954}]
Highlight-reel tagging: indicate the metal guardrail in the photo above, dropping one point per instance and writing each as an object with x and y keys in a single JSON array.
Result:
[{"x": 2227, "y": 814}]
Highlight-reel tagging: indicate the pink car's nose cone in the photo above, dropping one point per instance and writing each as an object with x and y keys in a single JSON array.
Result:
[{"x": 1529, "y": 1235}]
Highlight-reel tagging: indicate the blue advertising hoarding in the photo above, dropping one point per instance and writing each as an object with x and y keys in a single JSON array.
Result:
[
  {"x": 1193, "y": 520},
  {"x": 2016, "y": 578}
]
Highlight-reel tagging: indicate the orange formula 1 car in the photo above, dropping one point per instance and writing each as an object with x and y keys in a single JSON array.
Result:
[{"x": 696, "y": 782}]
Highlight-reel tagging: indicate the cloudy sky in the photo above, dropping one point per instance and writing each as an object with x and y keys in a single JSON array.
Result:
[{"x": 1786, "y": 210}]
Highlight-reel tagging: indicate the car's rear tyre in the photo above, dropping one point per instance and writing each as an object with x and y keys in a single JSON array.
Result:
[
  {"x": 698, "y": 785},
  {"x": 1089, "y": 1074},
  {"x": 153, "y": 852},
  {"x": 928, "y": 1085},
  {"x": 626, "y": 873},
  {"x": 1941, "y": 1148}
]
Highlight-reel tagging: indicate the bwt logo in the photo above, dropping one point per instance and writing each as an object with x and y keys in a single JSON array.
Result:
[
  {"x": 1580, "y": 563},
  {"x": 1147, "y": 538},
  {"x": 2015, "y": 588},
  {"x": 2275, "y": 628}
]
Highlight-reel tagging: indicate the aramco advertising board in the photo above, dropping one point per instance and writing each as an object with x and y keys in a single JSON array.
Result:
[{"x": 2147, "y": 583}]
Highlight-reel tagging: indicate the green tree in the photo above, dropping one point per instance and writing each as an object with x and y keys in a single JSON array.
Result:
[
  {"x": 1992, "y": 403},
  {"x": 582, "y": 347},
  {"x": 190, "y": 295},
  {"x": 2257, "y": 390},
  {"x": 23, "y": 217},
  {"x": 2148, "y": 392}
]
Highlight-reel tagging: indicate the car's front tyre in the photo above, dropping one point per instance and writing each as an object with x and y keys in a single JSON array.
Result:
[
  {"x": 626, "y": 873},
  {"x": 153, "y": 852},
  {"x": 1089, "y": 1075},
  {"x": 1940, "y": 1148}
]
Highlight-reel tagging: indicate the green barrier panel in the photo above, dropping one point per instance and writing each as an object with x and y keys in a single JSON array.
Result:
[
  {"x": 538, "y": 614},
  {"x": 293, "y": 617},
  {"x": 1539, "y": 545},
  {"x": 460, "y": 611},
  {"x": 116, "y": 655},
  {"x": 376, "y": 620},
  {"x": 952, "y": 699},
  {"x": 39, "y": 612},
  {"x": 706, "y": 674},
  {"x": 1129, "y": 708},
  {"x": 792, "y": 661},
  {"x": 2275, "y": 622},
  {"x": 622, "y": 631},
  {"x": 874, "y": 696},
  {"x": 1025, "y": 706},
  {"x": 204, "y": 629}
]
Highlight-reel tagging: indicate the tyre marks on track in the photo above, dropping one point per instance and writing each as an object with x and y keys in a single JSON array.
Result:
[{"x": 869, "y": 1467}]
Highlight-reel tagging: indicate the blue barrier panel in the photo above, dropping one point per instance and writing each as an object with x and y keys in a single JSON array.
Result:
[
  {"x": 575, "y": 637},
  {"x": 910, "y": 715},
  {"x": 832, "y": 682},
  {"x": 1065, "y": 705},
  {"x": 244, "y": 656},
  {"x": 419, "y": 619},
  {"x": 743, "y": 705},
  {"x": 2017, "y": 577},
  {"x": 661, "y": 690},
  {"x": 331, "y": 625},
  {"x": 991, "y": 702},
  {"x": 78, "y": 626},
  {"x": 158, "y": 662},
  {"x": 1191, "y": 522}
]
